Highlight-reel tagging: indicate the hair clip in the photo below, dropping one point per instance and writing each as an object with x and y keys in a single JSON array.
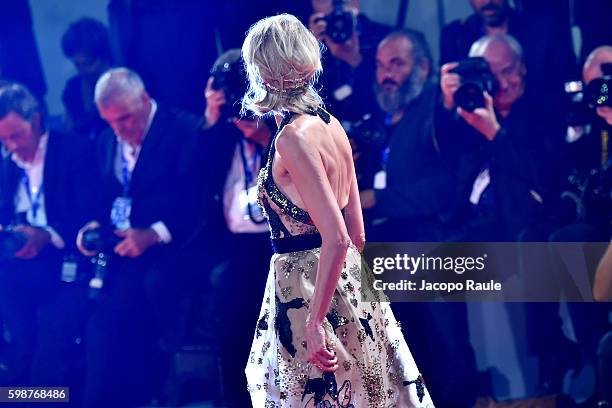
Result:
[{"x": 289, "y": 86}]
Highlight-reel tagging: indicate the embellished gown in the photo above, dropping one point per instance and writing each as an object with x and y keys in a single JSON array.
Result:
[{"x": 375, "y": 366}]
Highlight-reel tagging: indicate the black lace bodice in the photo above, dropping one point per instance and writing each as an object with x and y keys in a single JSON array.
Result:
[{"x": 284, "y": 217}]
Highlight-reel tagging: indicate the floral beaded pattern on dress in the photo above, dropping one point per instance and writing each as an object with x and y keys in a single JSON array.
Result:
[{"x": 376, "y": 368}]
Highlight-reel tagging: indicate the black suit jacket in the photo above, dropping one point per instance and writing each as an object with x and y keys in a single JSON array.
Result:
[
  {"x": 526, "y": 156},
  {"x": 164, "y": 183},
  {"x": 419, "y": 182},
  {"x": 68, "y": 180}
]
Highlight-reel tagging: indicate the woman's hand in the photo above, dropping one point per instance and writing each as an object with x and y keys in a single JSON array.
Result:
[{"x": 319, "y": 353}]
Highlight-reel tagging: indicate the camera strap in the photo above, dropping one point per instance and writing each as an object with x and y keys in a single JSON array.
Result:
[{"x": 33, "y": 197}]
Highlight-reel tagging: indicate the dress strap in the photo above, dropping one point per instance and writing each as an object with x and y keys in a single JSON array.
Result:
[{"x": 285, "y": 121}]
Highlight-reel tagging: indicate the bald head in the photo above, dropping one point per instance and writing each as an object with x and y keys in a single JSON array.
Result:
[
  {"x": 497, "y": 46},
  {"x": 505, "y": 58},
  {"x": 592, "y": 66}
]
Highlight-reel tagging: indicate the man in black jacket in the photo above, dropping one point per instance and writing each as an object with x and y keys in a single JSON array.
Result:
[
  {"x": 413, "y": 202},
  {"x": 547, "y": 51},
  {"x": 418, "y": 183},
  {"x": 508, "y": 156},
  {"x": 45, "y": 193},
  {"x": 148, "y": 196},
  {"x": 507, "y": 153},
  {"x": 347, "y": 65}
]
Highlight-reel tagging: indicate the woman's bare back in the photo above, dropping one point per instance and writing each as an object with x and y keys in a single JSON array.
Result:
[{"x": 331, "y": 143}]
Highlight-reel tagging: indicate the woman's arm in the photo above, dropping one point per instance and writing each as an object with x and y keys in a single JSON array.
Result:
[
  {"x": 354, "y": 216},
  {"x": 305, "y": 166}
]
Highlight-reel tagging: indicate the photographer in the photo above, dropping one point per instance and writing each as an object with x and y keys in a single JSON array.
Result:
[
  {"x": 509, "y": 156},
  {"x": 418, "y": 183},
  {"x": 46, "y": 189},
  {"x": 234, "y": 232},
  {"x": 588, "y": 137},
  {"x": 547, "y": 50},
  {"x": 351, "y": 39},
  {"x": 588, "y": 197},
  {"x": 147, "y": 202},
  {"x": 412, "y": 204},
  {"x": 507, "y": 149}
]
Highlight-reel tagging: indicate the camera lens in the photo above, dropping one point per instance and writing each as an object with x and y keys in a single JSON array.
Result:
[
  {"x": 469, "y": 96},
  {"x": 597, "y": 92}
]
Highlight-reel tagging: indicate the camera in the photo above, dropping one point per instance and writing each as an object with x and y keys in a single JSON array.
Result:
[
  {"x": 340, "y": 23},
  {"x": 101, "y": 239},
  {"x": 476, "y": 78},
  {"x": 370, "y": 137},
  {"x": 581, "y": 100},
  {"x": 10, "y": 242},
  {"x": 368, "y": 132},
  {"x": 597, "y": 92},
  {"x": 230, "y": 77},
  {"x": 590, "y": 194}
]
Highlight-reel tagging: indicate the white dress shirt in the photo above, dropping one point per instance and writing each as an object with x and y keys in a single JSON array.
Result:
[
  {"x": 236, "y": 199},
  {"x": 34, "y": 171}
]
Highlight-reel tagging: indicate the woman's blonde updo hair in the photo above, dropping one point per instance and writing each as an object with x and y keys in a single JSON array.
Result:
[{"x": 283, "y": 60}]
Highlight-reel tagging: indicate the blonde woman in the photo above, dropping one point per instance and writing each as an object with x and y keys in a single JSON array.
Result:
[{"x": 315, "y": 343}]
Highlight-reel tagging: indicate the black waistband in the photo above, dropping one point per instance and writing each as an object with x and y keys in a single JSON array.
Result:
[{"x": 296, "y": 243}]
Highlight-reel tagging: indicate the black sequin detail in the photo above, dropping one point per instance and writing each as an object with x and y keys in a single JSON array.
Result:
[
  {"x": 262, "y": 324},
  {"x": 366, "y": 326},
  {"x": 281, "y": 199},
  {"x": 272, "y": 189},
  {"x": 283, "y": 324},
  {"x": 321, "y": 387},
  {"x": 335, "y": 319},
  {"x": 420, "y": 386}
]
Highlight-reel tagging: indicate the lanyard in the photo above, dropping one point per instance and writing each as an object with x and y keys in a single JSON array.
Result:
[
  {"x": 34, "y": 199},
  {"x": 248, "y": 179},
  {"x": 125, "y": 174},
  {"x": 249, "y": 171},
  {"x": 384, "y": 154}
]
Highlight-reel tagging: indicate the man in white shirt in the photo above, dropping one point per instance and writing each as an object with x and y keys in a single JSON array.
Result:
[
  {"x": 236, "y": 235},
  {"x": 45, "y": 192}
]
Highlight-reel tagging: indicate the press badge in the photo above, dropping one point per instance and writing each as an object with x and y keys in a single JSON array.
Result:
[
  {"x": 69, "y": 269},
  {"x": 120, "y": 213},
  {"x": 343, "y": 92},
  {"x": 248, "y": 200}
]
